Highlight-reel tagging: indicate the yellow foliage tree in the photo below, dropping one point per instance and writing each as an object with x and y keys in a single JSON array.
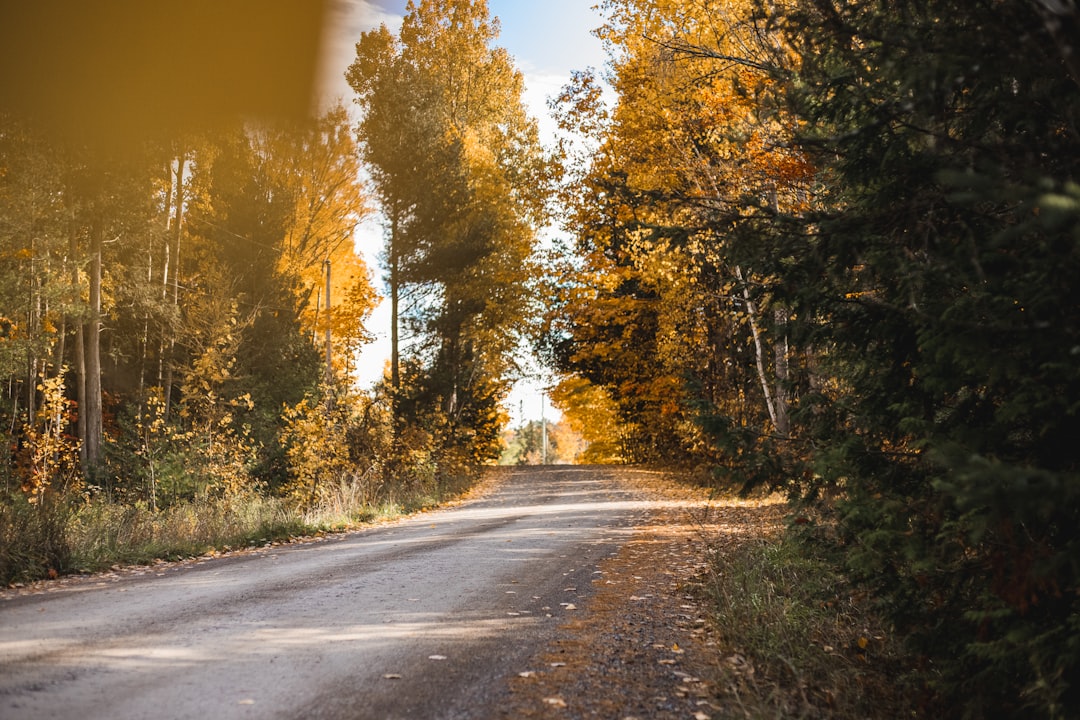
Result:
[
  {"x": 693, "y": 158},
  {"x": 319, "y": 168},
  {"x": 589, "y": 412}
]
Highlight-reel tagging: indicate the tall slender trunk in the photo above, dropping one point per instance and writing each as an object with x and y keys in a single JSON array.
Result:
[
  {"x": 780, "y": 352},
  {"x": 782, "y": 373},
  {"x": 92, "y": 407},
  {"x": 80, "y": 391},
  {"x": 61, "y": 348},
  {"x": 173, "y": 283},
  {"x": 149, "y": 280},
  {"x": 776, "y": 404},
  {"x": 32, "y": 315},
  {"x": 166, "y": 249},
  {"x": 80, "y": 348}
]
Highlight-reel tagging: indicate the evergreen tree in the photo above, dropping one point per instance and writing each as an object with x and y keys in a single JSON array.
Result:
[{"x": 939, "y": 291}]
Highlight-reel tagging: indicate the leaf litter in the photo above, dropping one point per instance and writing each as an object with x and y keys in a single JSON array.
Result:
[{"x": 640, "y": 646}]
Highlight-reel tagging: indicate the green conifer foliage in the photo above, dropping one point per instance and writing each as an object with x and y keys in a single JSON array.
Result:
[{"x": 938, "y": 290}]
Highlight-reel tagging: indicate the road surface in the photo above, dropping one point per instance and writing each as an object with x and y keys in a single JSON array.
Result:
[{"x": 424, "y": 618}]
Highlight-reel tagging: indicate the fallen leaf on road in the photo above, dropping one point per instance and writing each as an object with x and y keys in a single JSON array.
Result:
[
  {"x": 558, "y": 664},
  {"x": 555, "y": 702},
  {"x": 391, "y": 676},
  {"x": 527, "y": 674}
]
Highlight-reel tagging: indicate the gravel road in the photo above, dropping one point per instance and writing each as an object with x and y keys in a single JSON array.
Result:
[{"x": 423, "y": 618}]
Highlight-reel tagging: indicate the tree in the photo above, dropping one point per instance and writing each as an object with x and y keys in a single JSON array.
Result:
[
  {"x": 270, "y": 208},
  {"x": 868, "y": 211},
  {"x": 938, "y": 287},
  {"x": 209, "y": 258},
  {"x": 389, "y": 134},
  {"x": 318, "y": 168},
  {"x": 691, "y": 166},
  {"x": 460, "y": 177},
  {"x": 589, "y": 413},
  {"x": 33, "y": 246}
]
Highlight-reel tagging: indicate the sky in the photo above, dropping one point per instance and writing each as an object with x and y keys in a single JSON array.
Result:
[{"x": 549, "y": 39}]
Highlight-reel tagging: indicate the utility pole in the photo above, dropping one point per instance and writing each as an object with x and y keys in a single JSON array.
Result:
[{"x": 543, "y": 428}]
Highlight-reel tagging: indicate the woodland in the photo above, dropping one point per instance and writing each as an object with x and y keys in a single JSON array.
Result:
[{"x": 826, "y": 248}]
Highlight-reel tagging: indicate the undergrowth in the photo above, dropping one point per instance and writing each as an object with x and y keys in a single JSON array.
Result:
[
  {"x": 74, "y": 535},
  {"x": 797, "y": 639}
]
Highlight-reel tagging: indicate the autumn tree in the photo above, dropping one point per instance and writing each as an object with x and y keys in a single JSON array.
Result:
[
  {"x": 34, "y": 245},
  {"x": 459, "y": 174},
  {"x": 270, "y": 209},
  {"x": 874, "y": 224},
  {"x": 319, "y": 171},
  {"x": 589, "y": 412},
  {"x": 663, "y": 310},
  {"x": 35, "y": 296}
]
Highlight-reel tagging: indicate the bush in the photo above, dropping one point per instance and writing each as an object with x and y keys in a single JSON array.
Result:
[
  {"x": 799, "y": 639},
  {"x": 33, "y": 538}
]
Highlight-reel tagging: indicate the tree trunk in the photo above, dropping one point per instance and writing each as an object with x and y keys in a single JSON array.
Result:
[
  {"x": 92, "y": 407},
  {"x": 776, "y": 404},
  {"x": 781, "y": 371},
  {"x": 173, "y": 283},
  {"x": 149, "y": 280},
  {"x": 780, "y": 352},
  {"x": 329, "y": 355},
  {"x": 80, "y": 351},
  {"x": 32, "y": 314}
]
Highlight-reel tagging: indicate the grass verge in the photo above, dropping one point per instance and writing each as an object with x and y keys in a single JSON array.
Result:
[
  {"x": 796, "y": 640},
  {"x": 62, "y": 536}
]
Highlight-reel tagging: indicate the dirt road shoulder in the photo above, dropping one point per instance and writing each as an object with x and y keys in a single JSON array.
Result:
[{"x": 642, "y": 647}]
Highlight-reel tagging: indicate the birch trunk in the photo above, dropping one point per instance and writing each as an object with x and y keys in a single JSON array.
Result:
[
  {"x": 775, "y": 402},
  {"x": 172, "y": 268}
]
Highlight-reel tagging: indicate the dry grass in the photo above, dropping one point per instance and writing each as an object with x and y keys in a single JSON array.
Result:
[
  {"x": 79, "y": 536},
  {"x": 766, "y": 624},
  {"x": 795, "y": 639}
]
